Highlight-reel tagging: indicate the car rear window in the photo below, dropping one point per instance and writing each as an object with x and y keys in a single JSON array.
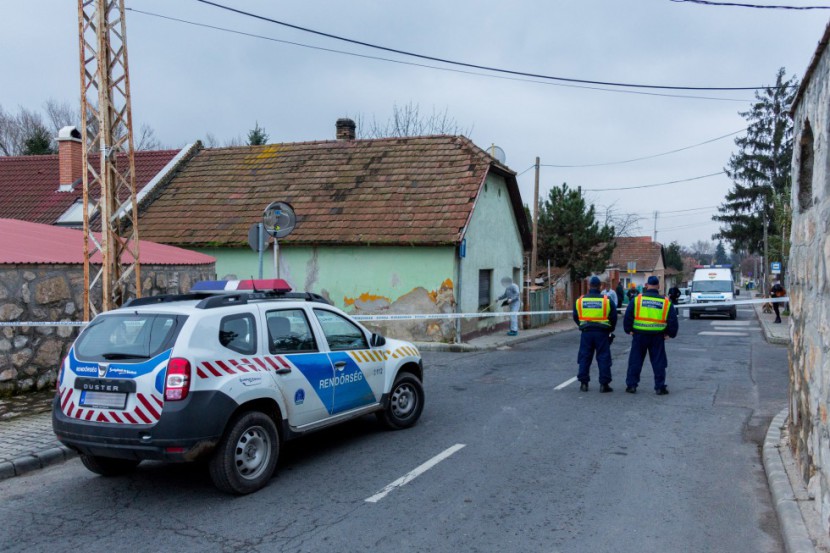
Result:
[
  {"x": 722, "y": 286},
  {"x": 128, "y": 337}
]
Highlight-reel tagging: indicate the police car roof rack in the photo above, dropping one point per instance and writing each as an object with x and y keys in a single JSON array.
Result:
[
  {"x": 221, "y": 300},
  {"x": 164, "y": 298}
]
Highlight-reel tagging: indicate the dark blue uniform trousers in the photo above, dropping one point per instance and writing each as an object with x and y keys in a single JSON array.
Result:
[
  {"x": 655, "y": 345},
  {"x": 590, "y": 342}
]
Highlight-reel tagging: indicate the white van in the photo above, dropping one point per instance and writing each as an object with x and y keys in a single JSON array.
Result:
[{"x": 713, "y": 284}]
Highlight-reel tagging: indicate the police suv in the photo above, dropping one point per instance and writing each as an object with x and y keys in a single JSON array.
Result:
[{"x": 226, "y": 372}]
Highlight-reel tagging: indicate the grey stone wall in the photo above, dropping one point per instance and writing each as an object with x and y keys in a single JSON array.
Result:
[
  {"x": 30, "y": 355},
  {"x": 809, "y": 291}
]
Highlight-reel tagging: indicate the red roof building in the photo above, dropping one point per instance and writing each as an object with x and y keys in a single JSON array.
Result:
[
  {"x": 33, "y": 243},
  {"x": 42, "y": 189}
]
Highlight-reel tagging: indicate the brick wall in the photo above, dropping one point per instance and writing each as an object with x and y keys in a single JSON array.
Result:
[
  {"x": 29, "y": 356},
  {"x": 809, "y": 290}
]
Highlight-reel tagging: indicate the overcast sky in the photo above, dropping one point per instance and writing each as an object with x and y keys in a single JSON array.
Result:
[{"x": 188, "y": 81}]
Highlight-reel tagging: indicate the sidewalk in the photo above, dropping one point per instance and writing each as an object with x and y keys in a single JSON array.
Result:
[
  {"x": 774, "y": 333},
  {"x": 27, "y": 442}
]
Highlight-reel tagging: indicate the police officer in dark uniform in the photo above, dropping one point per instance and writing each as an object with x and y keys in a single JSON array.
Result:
[
  {"x": 651, "y": 320},
  {"x": 596, "y": 316}
]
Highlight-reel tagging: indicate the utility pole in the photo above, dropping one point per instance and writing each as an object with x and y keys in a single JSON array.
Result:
[
  {"x": 534, "y": 251},
  {"x": 765, "y": 265},
  {"x": 654, "y": 239},
  {"x": 108, "y": 157}
]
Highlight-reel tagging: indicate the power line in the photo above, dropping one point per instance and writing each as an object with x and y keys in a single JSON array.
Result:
[
  {"x": 466, "y": 64},
  {"x": 757, "y": 6},
  {"x": 427, "y": 66},
  {"x": 653, "y": 185},
  {"x": 645, "y": 157}
]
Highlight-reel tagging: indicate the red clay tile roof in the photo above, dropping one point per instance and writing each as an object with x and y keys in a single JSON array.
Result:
[
  {"x": 636, "y": 248},
  {"x": 418, "y": 190},
  {"x": 29, "y": 184},
  {"x": 25, "y": 242}
]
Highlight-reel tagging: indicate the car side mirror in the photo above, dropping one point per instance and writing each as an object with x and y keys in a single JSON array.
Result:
[{"x": 377, "y": 341}]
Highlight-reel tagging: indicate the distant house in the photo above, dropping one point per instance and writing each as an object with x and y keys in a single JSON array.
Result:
[
  {"x": 639, "y": 254},
  {"x": 48, "y": 189},
  {"x": 400, "y": 225}
]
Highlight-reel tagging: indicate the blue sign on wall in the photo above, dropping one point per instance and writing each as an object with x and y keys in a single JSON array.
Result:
[{"x": 775, "y": 267}]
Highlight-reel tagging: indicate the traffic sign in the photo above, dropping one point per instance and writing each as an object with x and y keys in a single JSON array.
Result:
[{"x": 775, "y": 267}]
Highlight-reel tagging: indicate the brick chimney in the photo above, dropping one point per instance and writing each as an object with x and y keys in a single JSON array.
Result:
[
  {"x": 70, "y": 158},
  {"x": 345, "y": 129}
]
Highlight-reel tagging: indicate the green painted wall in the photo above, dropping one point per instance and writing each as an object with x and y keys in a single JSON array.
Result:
[
  {"x": 493, "y": 242},
  {"x": 388, "y": 272}
]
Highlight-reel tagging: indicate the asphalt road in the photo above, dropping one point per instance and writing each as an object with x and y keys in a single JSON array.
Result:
[{"x": 540, "y": 470}]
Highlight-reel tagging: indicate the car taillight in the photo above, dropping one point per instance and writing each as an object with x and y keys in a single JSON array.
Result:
[{"x": 177, "y": 383}]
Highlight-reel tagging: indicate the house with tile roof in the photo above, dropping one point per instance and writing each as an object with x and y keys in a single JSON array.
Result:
[
  {"x": 646, "y": 256},
  {"x": 411, "y": 225},
  {"x": 48, "y": 189}
]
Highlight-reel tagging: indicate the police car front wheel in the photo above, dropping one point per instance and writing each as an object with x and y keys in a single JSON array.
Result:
[
  {"x": 406, "y": 401},
  {"x": 247, "y": 456}
]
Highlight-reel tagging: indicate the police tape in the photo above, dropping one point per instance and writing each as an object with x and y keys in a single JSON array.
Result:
[{"x": 434, "y": 316}]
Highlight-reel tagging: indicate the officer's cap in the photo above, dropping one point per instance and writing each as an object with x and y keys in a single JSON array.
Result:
[
  {"x": 653, "y": 281},
  {"x": 594, "y": 282}
]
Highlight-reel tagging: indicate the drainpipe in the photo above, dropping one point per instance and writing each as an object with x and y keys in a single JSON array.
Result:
[{"x": 458, "y": 260}]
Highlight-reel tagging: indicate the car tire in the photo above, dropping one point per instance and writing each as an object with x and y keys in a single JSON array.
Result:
[
  {"x": 109, "y": 466},
  {"x": 245, "y": 459},
  {"x": 733, "y": 314},
  {"x": 405, "y": 404},
  {"x": 693, "y": 315}
]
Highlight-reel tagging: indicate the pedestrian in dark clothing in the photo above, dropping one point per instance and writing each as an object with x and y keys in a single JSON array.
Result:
[
  {"x": 620, "y": 294},
  {"x": 596, "y": 316},
  {"x": 651, "y": 321},
  {"x": 674, "y": 295},
  {"x": 777, "y": 291},
  {"x": 632, "y": 293}
]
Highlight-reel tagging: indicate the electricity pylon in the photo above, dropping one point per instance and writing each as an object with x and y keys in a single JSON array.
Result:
[{"x": 108, "y": 158}]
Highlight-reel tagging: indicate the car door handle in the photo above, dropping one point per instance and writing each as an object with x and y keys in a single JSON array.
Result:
[
  {"x": 339, "y": 365},
  {"x": 283, "y": 370}
]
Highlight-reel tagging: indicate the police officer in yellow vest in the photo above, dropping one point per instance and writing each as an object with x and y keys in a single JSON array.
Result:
[
  {"x": 596, "y": 316},
  {"x": 651, "y": 319}
]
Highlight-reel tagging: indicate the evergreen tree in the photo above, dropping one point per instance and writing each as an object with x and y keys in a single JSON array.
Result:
[
  {"x": 720, "y": 254},
  {"x": 570, "y": 235},
  {"x": 674, "y": 258},
  {"x": 257, "y": 136},
  {"x": 760, "y": 170},
  {"x": 38, "y": 142}
]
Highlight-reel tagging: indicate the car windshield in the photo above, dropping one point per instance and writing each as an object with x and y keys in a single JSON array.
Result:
[
  {"x": 124, "y": 337},
  {"x": 720, "y": 286}
]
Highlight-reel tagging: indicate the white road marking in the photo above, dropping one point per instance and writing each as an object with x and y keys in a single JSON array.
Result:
[
  {"x": 566, "y": 383},
  {"x": 731, "y": 323},
  {"x": 414, "y": 473},
  {"x": 722, "y": 333},
  {"x": 741, "y": 328}
]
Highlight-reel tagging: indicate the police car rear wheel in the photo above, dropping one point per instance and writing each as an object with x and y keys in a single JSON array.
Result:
[
  {"x": 406, "y": 401},
  {"x": 108, "y": 466},
  {"x": 247, "y": 456}
]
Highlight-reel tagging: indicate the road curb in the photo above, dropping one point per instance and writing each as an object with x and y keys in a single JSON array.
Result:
[
  {"x": 793, "y": 528},
  {"x": 36, "y": 461}
]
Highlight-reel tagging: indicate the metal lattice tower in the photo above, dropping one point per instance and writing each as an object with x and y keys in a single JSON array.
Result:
[{"x": 108, "y": 159}]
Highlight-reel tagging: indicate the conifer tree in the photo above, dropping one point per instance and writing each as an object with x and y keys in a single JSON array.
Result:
[{"x": 257, "y": 136}]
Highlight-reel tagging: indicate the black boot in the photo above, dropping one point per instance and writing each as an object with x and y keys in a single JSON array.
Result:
[
  {"x": 605, "y": 388},
  {"x": 583, "y": 387}
]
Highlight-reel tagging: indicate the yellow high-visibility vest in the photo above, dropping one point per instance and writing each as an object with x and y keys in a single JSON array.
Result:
[
  {"x": 651, "y": 313},
  {"x": 593, "y": 310}
]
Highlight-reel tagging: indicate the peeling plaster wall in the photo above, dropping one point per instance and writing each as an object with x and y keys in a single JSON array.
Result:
[
  {"x": 809, "y": 291},
  {"x": 364, "y": 280},
  {"x": 493, "y": 242}
]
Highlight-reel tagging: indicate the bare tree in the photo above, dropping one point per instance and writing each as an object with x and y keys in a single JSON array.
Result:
[
  {"x": 408, "y": 120},
  {"x": 625, "y": 224},
  {"x": 211, "y": 141},
  {"x": 145, "y": 139},
  {"x": 18, "y": 128},
  {"x": 61, "y": 114}
]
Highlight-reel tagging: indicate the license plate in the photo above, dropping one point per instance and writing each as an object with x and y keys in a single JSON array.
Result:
[
  {"x": 119, "y": 385},
  {"x": 103, "y": 400},
  {"x": 711, "y": 308}
]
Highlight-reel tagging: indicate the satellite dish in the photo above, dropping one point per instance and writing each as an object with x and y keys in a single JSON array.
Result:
[
  {"x": 497, "y": 153},
  {"x": 279, "y": 219}
]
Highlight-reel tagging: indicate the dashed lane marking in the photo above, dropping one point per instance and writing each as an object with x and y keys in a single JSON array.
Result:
[
  {"x": 414, "y": 473},
  {"x": 721, "y": 333},
  {"x": 566, "y": 383}
]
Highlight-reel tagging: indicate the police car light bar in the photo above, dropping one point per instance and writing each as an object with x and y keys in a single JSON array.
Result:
[
  {"x": 264, "y": 285},
  {"x": 722, "y": 266}
]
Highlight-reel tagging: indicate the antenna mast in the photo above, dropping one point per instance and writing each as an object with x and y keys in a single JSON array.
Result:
[{"x": 108, "y": 158}]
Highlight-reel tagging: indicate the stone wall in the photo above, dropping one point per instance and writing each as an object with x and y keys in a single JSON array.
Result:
[
  {"x": 809, "y": 290},
  {"x": 30, "y": 355}
]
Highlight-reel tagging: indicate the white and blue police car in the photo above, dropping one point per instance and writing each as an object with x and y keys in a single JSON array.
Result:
[{"x": 227, "y": 372}]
